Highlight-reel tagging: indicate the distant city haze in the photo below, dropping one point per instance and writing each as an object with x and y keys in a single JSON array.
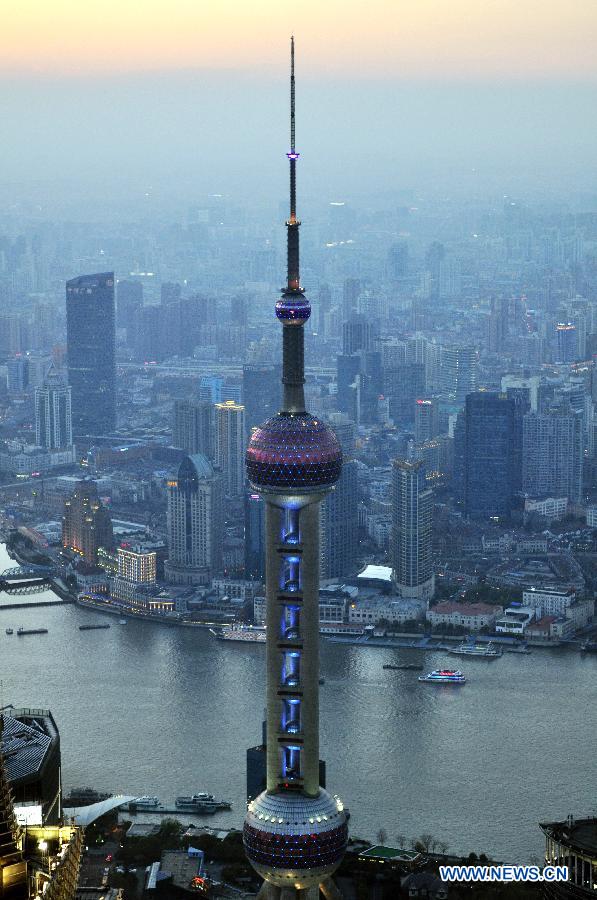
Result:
[{"x": 189, "y": 97}]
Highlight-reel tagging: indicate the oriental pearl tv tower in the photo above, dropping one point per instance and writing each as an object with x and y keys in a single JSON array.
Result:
[{"x": 295, "y": 833}]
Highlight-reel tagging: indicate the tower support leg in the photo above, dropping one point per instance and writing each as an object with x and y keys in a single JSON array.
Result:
[{"x": 330, "y": 890}]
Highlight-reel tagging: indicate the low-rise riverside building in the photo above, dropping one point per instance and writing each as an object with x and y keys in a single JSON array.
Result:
[{"x": 472, "y": 616}]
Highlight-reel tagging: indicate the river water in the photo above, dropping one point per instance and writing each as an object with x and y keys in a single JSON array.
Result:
[{"x": 148, "y": 709}]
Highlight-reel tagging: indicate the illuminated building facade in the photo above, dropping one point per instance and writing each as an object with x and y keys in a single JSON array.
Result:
[
  {"x": 136, "y": 564},
  {"x": 295, "y": 832},
  {"x": 91, "y": 352},
  {"x": 195, "y": 523},
  {"x": 86, "y": 523}
]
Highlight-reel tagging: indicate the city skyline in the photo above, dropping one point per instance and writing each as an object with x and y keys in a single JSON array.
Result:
[{"x": 205, "y": 508}]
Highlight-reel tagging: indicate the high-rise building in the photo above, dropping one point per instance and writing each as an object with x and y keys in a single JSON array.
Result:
[
  {"x": 17, "y": 380},
  {"x": 254, "y": 536},
  {"x": 458, "y": 376},
  {"x": 566, "y": 342},
  {"x": 491, "y": 455},
  {"x": 357, "y": 334},
  {"x": 90, "y": 338},
  {"x": 552, "y": 457},
  {"x": 412, "y": 531},
  {"x": 137, "y": 564},
  {"x": 195, "y": 523},
  {"x": 86, "y": 523},
  {"x": 129, "y": 299},
  {"x": 426, "y": 420},
  {"x": 193, "y": 427},
  {"x": 398, "y": 260},
  {"x": 339, "y": 523},
  {"x": 53, "y": 425},
  {"x": 295, "y": 832},
  {"x": 261, "y": 394},
  {"x": 498, "y": 324},
  {"x": 230, "y": 444},
  {"x": 136, "y": 574}
]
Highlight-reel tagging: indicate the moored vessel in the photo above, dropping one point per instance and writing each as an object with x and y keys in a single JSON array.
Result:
[
  {"x": 201, "y": 803},
  {"x": 22, "y": 630},
  {"x": 247, "y": 633},
  {"x": 92, "y": 627},
  {"x": 483, "y": 651},
  {"x": 443, "y": 676},
  {"x": 589, "y": 647},
  {"x": 145, "y": 802}
]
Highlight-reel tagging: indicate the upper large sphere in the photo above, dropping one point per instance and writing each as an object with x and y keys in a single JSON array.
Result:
[
  {"x": 293, "y": 453},
  {"x": 293, "y": 840}
]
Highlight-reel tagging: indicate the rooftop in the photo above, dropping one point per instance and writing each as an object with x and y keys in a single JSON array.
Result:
[
  {"x": 465, "y": 609},
  {"x": 376, "y": 573},
  {"x": 26, "y": 744}
]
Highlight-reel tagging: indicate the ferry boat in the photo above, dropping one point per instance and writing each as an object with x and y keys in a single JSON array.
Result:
[
  {"x": 443, "y": 676},
  {"x": 484, "y": 651},
  {"x": 145, "y": 802},
  {"x": 201, "y": 803},
  {"x": 22, "y": 630},
  {"x": 247, "y": 633}
]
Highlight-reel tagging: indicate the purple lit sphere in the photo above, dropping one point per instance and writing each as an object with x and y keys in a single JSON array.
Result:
[
  {"x": 293, "y": 308},
  {"x": 293, "y": 453}
]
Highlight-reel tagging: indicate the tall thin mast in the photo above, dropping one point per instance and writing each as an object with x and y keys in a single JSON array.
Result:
[
  {"x": 293, "y": 308},
  {"x": 293, "y": 223}
]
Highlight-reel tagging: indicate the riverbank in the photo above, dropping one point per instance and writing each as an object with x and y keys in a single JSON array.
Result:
[{"x": 111, "y": 608}]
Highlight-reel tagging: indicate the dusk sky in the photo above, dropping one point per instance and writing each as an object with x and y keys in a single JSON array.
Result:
[{"x": 194, "y": 92}]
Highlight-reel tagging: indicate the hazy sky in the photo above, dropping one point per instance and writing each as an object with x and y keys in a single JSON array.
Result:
[
  {"x": 390, "y": 37},
  {"x": 390, "y": 93}
]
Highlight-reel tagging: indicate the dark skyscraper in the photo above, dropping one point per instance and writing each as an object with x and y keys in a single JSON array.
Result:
[
  {"x": 490, "y": 455},
  {"x": 261, "y": 394},
  {"x": 254, "y": 536},
  {"x": 193, "y": 428},
  {"x": 340, "y": 525},
  {"x": 90, "y": 336}
]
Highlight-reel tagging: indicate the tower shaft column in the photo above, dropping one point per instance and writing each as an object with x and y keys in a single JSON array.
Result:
[
  {"x": 273, "y": 527},
  {"x": 309, "y": 524}
]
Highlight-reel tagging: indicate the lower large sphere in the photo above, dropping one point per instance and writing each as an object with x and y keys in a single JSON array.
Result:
[{"x": 295, "y": 841}]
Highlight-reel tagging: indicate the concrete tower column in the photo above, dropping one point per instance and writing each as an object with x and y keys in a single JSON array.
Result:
[{"x": 309, "y": 526}]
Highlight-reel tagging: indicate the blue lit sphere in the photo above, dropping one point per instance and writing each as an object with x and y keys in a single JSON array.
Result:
[
  {"x": 293, "y": 308},
  {"x": 293, "y": 453},
  {"x": 293, "y": 840}
]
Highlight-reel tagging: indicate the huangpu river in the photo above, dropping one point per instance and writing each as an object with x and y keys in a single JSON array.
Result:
[{"x": 149, "y": 709}]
